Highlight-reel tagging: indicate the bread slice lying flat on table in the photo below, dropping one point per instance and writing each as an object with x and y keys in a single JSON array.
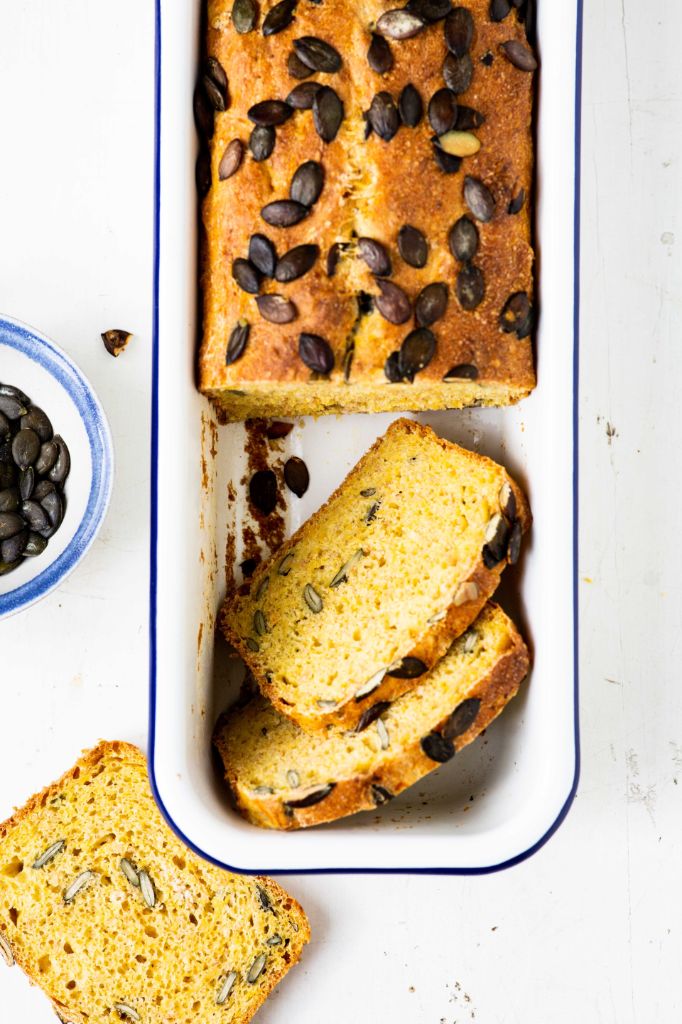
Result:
[
  {"x": 282, "y": 777},
  {"x": 107, "y": 911},
  {"x": 371, "y": 591}
]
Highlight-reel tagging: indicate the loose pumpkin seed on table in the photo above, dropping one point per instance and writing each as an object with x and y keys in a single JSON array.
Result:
[
  {"x": 34, "y": 466},
  {"x": 361, "y": 139}
]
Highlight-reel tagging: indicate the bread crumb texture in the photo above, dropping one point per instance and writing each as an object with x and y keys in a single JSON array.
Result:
[
  {"x": 391, "y": 567},
  {"x": 105, "y": 909},
  {"x": 374, "y": 187},
  {"x": 283, "y": 777}
]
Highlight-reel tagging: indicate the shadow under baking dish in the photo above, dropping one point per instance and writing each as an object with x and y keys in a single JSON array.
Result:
[{"x": 502, "y": 798}]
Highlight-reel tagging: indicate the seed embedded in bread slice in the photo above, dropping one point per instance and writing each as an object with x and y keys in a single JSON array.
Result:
[
  {"x": 284, "y": 778},
  {"x": 106, "y": 910},
  {"x": 370, "y": 592}
]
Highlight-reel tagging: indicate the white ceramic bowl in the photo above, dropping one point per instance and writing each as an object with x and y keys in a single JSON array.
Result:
[{"x": 33, "y": 363}]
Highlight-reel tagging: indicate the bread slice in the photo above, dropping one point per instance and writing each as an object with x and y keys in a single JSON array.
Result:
[
  {"x": 370, "y": 592},
  {"x": 108, "y": 912},
  {"x": 285, "y": 778}
]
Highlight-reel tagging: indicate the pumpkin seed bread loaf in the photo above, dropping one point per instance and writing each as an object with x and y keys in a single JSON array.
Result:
[
  {"x": 366, "y": 175},
  {"x": 115, "y": 919},
  {"x": 282, "y": 777},
  {"x": 370, "y": 592}
]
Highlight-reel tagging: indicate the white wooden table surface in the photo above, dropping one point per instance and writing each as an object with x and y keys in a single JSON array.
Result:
[{"x": 590, "y": 929}]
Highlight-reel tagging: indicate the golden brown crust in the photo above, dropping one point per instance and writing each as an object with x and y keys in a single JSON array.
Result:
[
  {"x": 433, "y": 643},
  {"x": 88, "y": 760},
  {"x": 350, "y": 795},
  {"x": 372, "y": 188}
]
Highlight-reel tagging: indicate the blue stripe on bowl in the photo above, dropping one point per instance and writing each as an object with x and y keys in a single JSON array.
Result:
[{"x": 50, "y": 357}]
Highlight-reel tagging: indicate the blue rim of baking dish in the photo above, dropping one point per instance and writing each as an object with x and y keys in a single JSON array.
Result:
[
  {"x": 488, "y": 869},
  {"x": 38, "y": 348}
]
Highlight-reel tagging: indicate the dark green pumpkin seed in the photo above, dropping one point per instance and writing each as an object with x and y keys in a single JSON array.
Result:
[
  {"x": 53, "y": 505},
  {"x": 437, "y": 748},
  {"x": 316, "y": 353},
  {"x": 303, "y": 95},
  {"x": 327, "y": 113},
  {"x": 215, "y": 84},
  {"x": 520, "y": 55},
  {"x": 470, "y": 287},
  {"x": 11, "y": 550},
  {"x": 202, "y": 173},
  {"x": 263, "y": 254},
  {"x": 430, "y": 11},
  {"x": 392, "y": 368},
  {"x": 375, "y": 255},
  {"x": 10, "y": 525},
  {"x": 35, "y": 545},
  {"x": 431, "y": 304},
  {"x": 269, "y": 112},
  {"x": 393, "y": 303},
  {"x": 231, "y": 159},
  {"x": 42, "y": 489},
  {"x": 279, "y": 17},
  {"x": 307, "y": 183},
  {"x": 36, "y": 515},
  {"x": 203, "y": 115},
  {"x": 296, "y": 67},
  {"x": 400, "y": 24},
  {"x": 333, "y": 257},
  {"x": 276, "y": 309},
  {"x": 409, "y": 668},
  {"x": 283, "y": 213},
  {"x": 410, "y": 106},
  {"x": 26, "y": 482},
  {"x": 443, "y": 111},
  {"x": 464, "y": 371},
  {"x": 11, "y": 391},
  {"x": 296, "y": 476},
  {"x": 416, "y": 352},
  {"x": 371, "y": 714},
  {"x": 263, "y": 491},
  {"x": 458, "y": 72},
  {"x": 468, "y": 118},
  {"x": 380, "y": 795},
  {"x": 463, "y": 240},
  {"x": 518, "y": 202},
  {"x": 237, "y": 341},
  {"x": 25, "y": 448},
  {"x": 4, "y": 425},
  {"x": 12, "y": 407},
  {"x": 313, "y": 798},
  {"x": 244, "y": 15},
  {"x": 413, "y": 246},
  {"x": 459, "y": 31},
  {"x": 479, "y": 199},
  {"x": 296, "y": 263},
  {"x": 262, "y": 142},
  {"x": 499, "y": 9},
  {"x": 379, "y": 54},
  {"x": 36, "y": 420},
  {"x": 246, "y": 276},
  {"x": 318, "y": 54},
  {"x": 383, "y": 116},
  {"x": 462, "y": 718},
  {"x": 514, "y": 547},
  {"x": 496, "y": 542},
  {"x": 517, "y": 315},
  {"x": 448, "y": 163},
  {"x": 10, "y": 499}
]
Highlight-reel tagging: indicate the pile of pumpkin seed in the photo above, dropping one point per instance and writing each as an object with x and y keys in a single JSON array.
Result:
[{"x": 34, "y": 465}]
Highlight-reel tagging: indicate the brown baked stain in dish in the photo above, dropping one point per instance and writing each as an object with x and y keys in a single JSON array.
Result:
[{"x": 372, "y": 189}]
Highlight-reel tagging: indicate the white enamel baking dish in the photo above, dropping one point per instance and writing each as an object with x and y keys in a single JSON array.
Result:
[{"x": 498, "y": 801}]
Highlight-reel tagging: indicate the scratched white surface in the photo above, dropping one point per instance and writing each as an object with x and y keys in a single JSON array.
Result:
[{"x": 588, "y": 930}]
